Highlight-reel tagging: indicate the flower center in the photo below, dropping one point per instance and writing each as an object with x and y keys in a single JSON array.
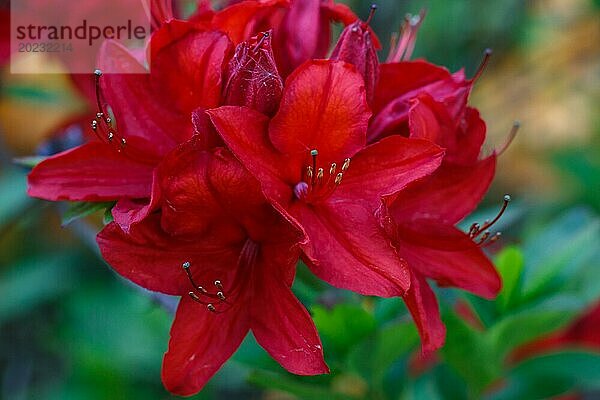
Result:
[
  {"x": 219, "y": 300},
  {"x": 316, "y": 184},
  {"x": 103, "y": 125}
]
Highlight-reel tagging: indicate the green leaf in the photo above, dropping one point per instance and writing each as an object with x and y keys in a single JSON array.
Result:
[
  {"x": 34, "y": 281},
  {"x": 78, "y": 210},
  {"x": 344, "y": 326},
  {"x": 533, "y": 322},
  {"x": 373, "y": 357},
  {"x": 108, "y": 217},
  {"x": 510, "y": 265},
  {"x": 552, "y": 374},
  {"x": 559, "y": 251},
  {"x": 470, "y": 354}
]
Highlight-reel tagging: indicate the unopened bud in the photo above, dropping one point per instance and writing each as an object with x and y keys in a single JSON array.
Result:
[
  {"x": 356, "y": 46},
  {"x": 252, "y": 77}
]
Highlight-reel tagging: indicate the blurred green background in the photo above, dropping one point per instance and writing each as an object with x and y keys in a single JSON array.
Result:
[{"x": 71, "y": 329}]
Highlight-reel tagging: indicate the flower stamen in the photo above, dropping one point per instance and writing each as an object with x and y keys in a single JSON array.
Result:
[
  {"x": 487, "y": 54},
  {"x": 511, "y": 136},
  {"x": 481, "y": 233},
  {"x": 103, "y": 125},
  {"x": 315, "y": 185},
  {"x": 202, "y": 296}
]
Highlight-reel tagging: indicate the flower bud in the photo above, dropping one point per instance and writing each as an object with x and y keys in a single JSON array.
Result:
[
  {"x": 356, "y": 46},
  {"x": 252, "y": 77}
]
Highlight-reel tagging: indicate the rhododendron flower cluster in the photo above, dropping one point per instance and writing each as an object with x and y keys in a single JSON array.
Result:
[{"x": 254, "y": 142}]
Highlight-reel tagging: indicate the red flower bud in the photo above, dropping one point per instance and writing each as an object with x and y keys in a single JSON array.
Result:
[
  {"x": 252, "y": 77},
  {"x": 356, "y": 46}
]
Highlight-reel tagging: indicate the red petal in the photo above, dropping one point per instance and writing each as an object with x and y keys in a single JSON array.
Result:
[
  {"x": 245, "y": 132},
  {"x": 324, "y": 108},
  {"x": 241, "y": 21},
  {"x": 198, "y": 58},
  {"x": 423, "y": 306},
  {"x": 386, "y": 167},
  {"x": 397, "y": 79},
  {"x": 339, "y": 12},
  {"x": 200, "y": 343},
  {"x": 141, "y": 118},
  {"x": 204, "y": 188},
  {"x": 129, "y": 212},
  {"x": 303, "y": 34},
  {"x": 391, "y": 101},
  {"x": 450, "y": 194},
  {"x": 450, "y": 257},
  {"x": 461, "y": 135},
  {"x": 153, "y": 259},
  {"x": 349, "y": 250},
  {"x": 280, "y": 322},
  {"x": 92, "y": 172}
]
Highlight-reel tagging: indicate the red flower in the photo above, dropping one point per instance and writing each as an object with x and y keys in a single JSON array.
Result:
[
  {"x": 152, "y": 114},
  {"x": 421, "y": 218},
  {"x": 314, "y": 166},
  {"x": 230, "y": 256},
  {"x": 301, "y": 28}
]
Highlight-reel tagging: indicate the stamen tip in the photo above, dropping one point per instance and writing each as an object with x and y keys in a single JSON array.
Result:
[
  {"x": 186, "y": 265},
  {"x": 488, "y": 51},
  {"x": 98, "y": 72},
  {"x": 507, "y": 198},
  {"x": 314, "y": 152},
  {"x": 516, "y": 124}
]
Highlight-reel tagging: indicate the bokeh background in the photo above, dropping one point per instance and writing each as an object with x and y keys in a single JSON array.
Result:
[{"x": 71, "y": 329}]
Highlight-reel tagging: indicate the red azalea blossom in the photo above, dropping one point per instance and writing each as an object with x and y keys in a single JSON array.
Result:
[
  {"x": 361, "y": 169},
  {"x": 422, "y": 101},
  {"x": 315, "y": 167},
  {"x": 240, "y": 256},
  {"x": 153, "y": 113},
  {"x": 421, "y": 218}
]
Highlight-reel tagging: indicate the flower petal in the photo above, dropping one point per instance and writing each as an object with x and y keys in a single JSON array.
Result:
[
  {"x": 280, "y": 323},
  {"x": 200, "y": 344},
  {"x": 92, "y": 172},
  {"x": 203, "y": 188},
  {"x": 391, "y": 102},
  {"x": 153, "y": 259},
  {"x": 423, "y": 307},
  {"x": 242, "y": 20},
  {"x": 129, "y": 212},
  {"x": 461, "y": 135},
  {"x": 324, "y": 108},
  {"x": 199, "y": 59},
  {"x": 385, "y": 168},
  {"x": 398, "y": 79},
  {"x": 449, "y": 194},
  {"x": 146, "y": 124},
  {"x": 245, "y": 132},
  {"x": 349, "y": 250},
  {"x": 450, "y": 257}
]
